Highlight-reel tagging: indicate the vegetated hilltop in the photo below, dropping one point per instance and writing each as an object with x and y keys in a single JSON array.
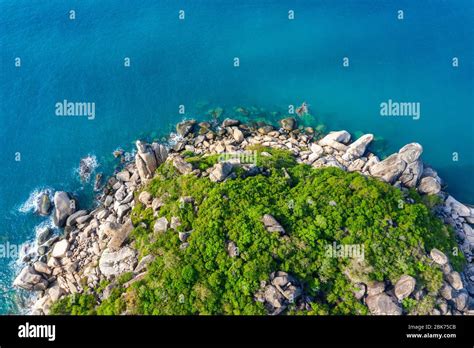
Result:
[{"x": 248, "y": 219}]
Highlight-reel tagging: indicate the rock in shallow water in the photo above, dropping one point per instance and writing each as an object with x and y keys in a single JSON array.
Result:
[{"x": 44, "y": 205}]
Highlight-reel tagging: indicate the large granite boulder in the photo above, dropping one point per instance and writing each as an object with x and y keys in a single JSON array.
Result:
[
  {"x": 29, "y": 279},
  {"x": 60, "y": 249},
  {"x": 358, "y": 147},
  {"x": 64, "y": 206},
  {"x": 220, "y": 171},
  {"x": 404, "y": 287},
  {"x": 404, "y": 166},
  {"x": 383, "y": 304},
  {"x": 389, "y": 169},
  {"x": 337, "y": 136},
  {"x": 429, "y": 185}
]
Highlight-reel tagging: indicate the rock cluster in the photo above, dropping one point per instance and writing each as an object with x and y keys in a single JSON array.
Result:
[{"x": 282, "y": 290}]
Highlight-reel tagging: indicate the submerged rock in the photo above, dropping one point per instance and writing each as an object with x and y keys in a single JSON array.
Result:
[
  {"x": 185, "y": 127},
  {"x": 288, "y": 123}
]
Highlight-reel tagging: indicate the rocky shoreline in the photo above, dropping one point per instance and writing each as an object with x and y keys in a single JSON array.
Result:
[{"x": 95, "y": 244}]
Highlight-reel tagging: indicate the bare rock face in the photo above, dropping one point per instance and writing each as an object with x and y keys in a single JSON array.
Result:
[
  {"x": 232, "y": 249},
  {"x": 272, "y": 225},
  {"x": 161, "y": 225},
  {"x": 182, "y": 166},
  {"x": 410, "y": 152},
  {"x": 71, "y": 220},
  {"x": 375, "y": 288},
  {"x": 220, "y": 171},
  {"x": 457, "y": 207},
  {"x": 115, "y": 263},
  {"x": 64, "y": 206},
  {"x": 404, "y": 287},
  {"x": 228, "y": 122},
  {"x": 145, "y": 198},
  {"x": 238, "y": 135},
  {"x": 382, "y": 304},
  {"x": 120, "y": 235},
  {"x": 148, "y": 158},
  {"x": 44, "y": 204}
]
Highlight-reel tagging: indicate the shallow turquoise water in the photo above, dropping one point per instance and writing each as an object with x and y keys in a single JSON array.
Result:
[{"x": 190, "y": 62}]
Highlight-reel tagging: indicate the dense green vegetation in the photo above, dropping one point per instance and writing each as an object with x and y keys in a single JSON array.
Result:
[{"x": 316, "y": 208}]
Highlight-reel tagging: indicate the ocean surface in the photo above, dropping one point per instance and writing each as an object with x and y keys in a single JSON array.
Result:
[{"x": 190, "y": 62}]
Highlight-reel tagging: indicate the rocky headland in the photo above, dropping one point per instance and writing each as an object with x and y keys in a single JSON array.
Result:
[{"x": 95, "y": 244}]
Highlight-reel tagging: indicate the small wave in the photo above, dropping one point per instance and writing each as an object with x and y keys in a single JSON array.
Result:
[
  {"x": 86, "y": 167},
  {"x": 32, "y": 203}
]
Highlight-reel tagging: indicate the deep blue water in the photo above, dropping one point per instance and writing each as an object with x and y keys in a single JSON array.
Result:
[{"x": 190, "y": 62}]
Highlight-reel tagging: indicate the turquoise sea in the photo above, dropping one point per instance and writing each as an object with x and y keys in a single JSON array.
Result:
[{"x": 190, "y": 62}]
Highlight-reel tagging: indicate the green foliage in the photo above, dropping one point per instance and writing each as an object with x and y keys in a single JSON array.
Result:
[
  {"x": 316, "y": 208},
  {"x": 76, "y": 304}
]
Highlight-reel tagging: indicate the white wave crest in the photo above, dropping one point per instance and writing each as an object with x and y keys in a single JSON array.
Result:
[
  {"x": 32, "y": 203},
  {"x": 86, "y": 167}
]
